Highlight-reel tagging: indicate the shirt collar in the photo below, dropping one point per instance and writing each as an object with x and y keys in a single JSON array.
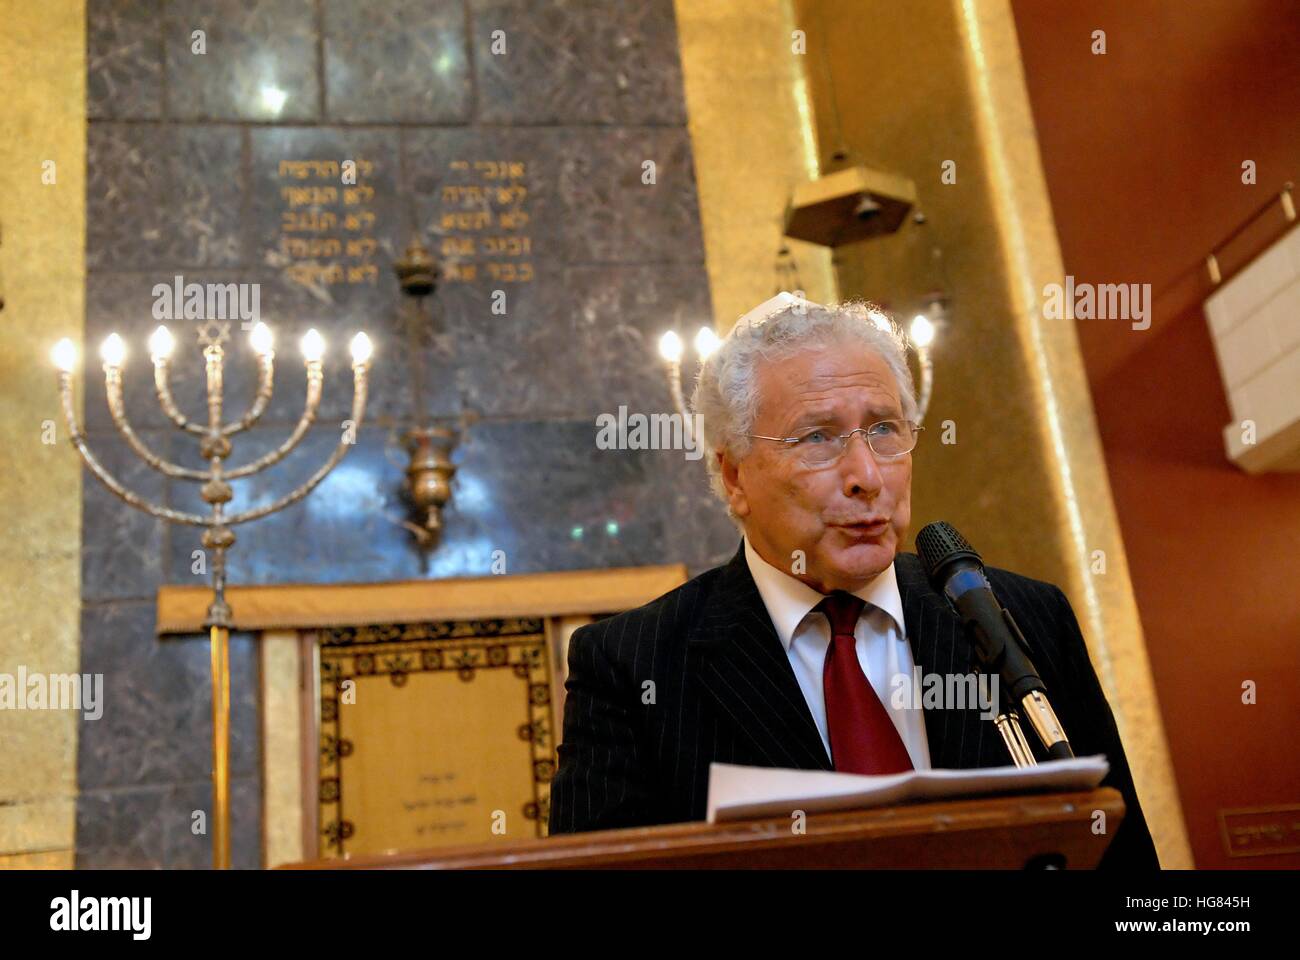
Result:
[{"x": 788, "y": 599}]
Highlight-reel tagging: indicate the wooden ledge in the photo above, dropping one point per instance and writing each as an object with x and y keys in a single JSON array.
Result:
[
  {"x": 181, "y": 609},
  {"x": 975, "y": 833}
]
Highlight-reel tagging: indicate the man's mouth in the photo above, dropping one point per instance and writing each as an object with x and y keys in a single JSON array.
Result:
[{"x": 865, "y": 528}]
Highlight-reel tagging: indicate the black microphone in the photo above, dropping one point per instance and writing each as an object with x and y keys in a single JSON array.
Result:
[{"x": 956, "y": 570}]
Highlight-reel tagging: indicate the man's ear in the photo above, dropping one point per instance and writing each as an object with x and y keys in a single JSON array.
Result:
[{"x": 731, "y": 480}]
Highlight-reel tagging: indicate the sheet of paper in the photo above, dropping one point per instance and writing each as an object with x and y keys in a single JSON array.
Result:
[{"x": 741, "y": 793}]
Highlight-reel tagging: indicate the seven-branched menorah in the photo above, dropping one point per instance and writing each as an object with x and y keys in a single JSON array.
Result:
[{"x": 215, "y": 447}]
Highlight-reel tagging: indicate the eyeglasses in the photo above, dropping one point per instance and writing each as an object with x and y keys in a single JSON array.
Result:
[{"x": 821, "y": 446}]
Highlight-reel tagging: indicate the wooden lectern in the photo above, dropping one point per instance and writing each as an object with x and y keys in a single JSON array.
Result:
[{"x": 1009, "y": 832}]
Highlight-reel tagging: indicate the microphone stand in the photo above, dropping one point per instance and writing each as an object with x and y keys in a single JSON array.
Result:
[
  {"x": 1033, "y": 700},
  {"x": 1015, "y": 666},
  {"x": 1008, "y": 724}
]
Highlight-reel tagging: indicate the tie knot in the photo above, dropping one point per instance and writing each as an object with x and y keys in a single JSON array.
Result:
[{"x": 842, "y": 610}]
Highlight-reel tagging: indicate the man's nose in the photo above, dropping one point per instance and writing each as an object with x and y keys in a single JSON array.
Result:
[{"x": 859, "y": 468}]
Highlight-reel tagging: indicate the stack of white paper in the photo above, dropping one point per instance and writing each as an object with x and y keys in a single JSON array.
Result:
[{"x": 738, "y": 793}]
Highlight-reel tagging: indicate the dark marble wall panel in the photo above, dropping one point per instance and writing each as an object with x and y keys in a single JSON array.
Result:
[
  {"x": 619, "y": 313},
  {"x": 163, "y": 197},
  {"x": 261, "y": 60},
  {"x": 122, "y": 552},
  {"x": 585, "y": 507},
  {"x": 588, "y": 199},
  {"x": 401, "y": 61},
  {"x": 696, "y": 529},
  {"x": 524, "y": 362},
  {"x": 547, "y": 316},
  {"x": 292, "y": 302},
  {"x": 154, "y": 827},
  {"x": 428, "y": 158},
  {"x": 613, "y": 215},
  {"x": 124, "y": 59},
  {"x": 577, "y": 61},
  {"x": 119, "y": 829},
  {"x": 271, "y": 146},
  {"x": 183, "y": 848},
  {"x": 156, "y": 726},
  {"x": 340, "y": 533}
]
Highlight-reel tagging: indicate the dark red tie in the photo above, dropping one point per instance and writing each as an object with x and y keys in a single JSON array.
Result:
[{"x": 863, "y": 737}]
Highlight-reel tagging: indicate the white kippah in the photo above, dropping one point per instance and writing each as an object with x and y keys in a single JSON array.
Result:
[{"x": 781, "y": 301}]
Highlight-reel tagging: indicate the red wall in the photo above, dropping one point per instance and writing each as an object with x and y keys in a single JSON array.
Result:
[{"x": 1142, "y": 149}]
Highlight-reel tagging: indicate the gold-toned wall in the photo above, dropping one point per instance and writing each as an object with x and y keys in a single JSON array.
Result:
[
  {"x": 751, "y": 135},
  {"x": 42, "y": 279},
  {"x": 905, "y": 107},
  {"x": 919, "y": 84}
]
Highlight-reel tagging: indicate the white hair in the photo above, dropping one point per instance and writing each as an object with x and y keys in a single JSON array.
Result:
[{"x": 726, "y": 392}]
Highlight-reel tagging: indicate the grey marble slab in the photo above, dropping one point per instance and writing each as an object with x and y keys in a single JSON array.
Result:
[
  {"x": 187, "y": 837},
  {"x": 619, "y": 312},
  {"x": 505, "y": 177},
  {"x": 543, "y": 493},
  {"x": 124, "y": 54},
  {"x": 260, "y": 62},
  {"x": 151, "y": 828},
  {"x": 577, "y": 61},
  {"x": 121, "y": 546},
  {"x": 121, "y": 829},
  {"x": 160, "y": 197},
  {"x": 587, "y": 200},
  {"x": 347, "y": 529},
  {"x": 156, "y": 725},
  {"x": 629, "y": 196},
  {"x": 396, "y": 61},
  {"x": 517, "y": 351}
]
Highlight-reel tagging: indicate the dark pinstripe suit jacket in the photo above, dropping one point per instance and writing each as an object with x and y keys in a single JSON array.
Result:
[{"x": 724, "y": 690}]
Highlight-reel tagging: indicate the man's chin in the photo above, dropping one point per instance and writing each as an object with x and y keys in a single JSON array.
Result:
[{"x": 859, "y": 563}]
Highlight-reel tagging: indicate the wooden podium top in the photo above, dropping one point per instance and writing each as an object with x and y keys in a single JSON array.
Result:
[{"x": 984, "y": 832}]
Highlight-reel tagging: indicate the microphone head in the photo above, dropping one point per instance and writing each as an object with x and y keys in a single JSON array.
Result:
[{"x": 938, "y": 545}]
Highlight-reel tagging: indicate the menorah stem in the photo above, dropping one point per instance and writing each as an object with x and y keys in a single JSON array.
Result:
[
  {"x": 213, "y": 354},
  {"x": 219, "y": 539},
  {"x": 220, "y": 650}
]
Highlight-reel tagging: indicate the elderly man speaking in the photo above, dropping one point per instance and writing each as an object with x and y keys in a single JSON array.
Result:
[{"x": 789, "y": 655}]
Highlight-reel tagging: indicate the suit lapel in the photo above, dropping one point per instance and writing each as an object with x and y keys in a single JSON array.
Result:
[
  {"x": 958, "y": 739},
  {"x": 744, "y": 668}
]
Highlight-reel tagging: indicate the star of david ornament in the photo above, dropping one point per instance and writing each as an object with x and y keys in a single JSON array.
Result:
[{"x": 213, "y": 333}]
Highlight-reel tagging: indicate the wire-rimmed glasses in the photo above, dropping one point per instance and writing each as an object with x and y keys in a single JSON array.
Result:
[{"x": 821, "y": 446}]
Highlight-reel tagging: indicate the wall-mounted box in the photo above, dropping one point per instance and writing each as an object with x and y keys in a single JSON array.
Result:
[
  {"x": 1254, "y": 322},
  {"x": 852, "y": 204}
]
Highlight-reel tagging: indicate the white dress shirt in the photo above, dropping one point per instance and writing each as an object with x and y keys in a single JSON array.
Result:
[{"x": 883, "y": 651}]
